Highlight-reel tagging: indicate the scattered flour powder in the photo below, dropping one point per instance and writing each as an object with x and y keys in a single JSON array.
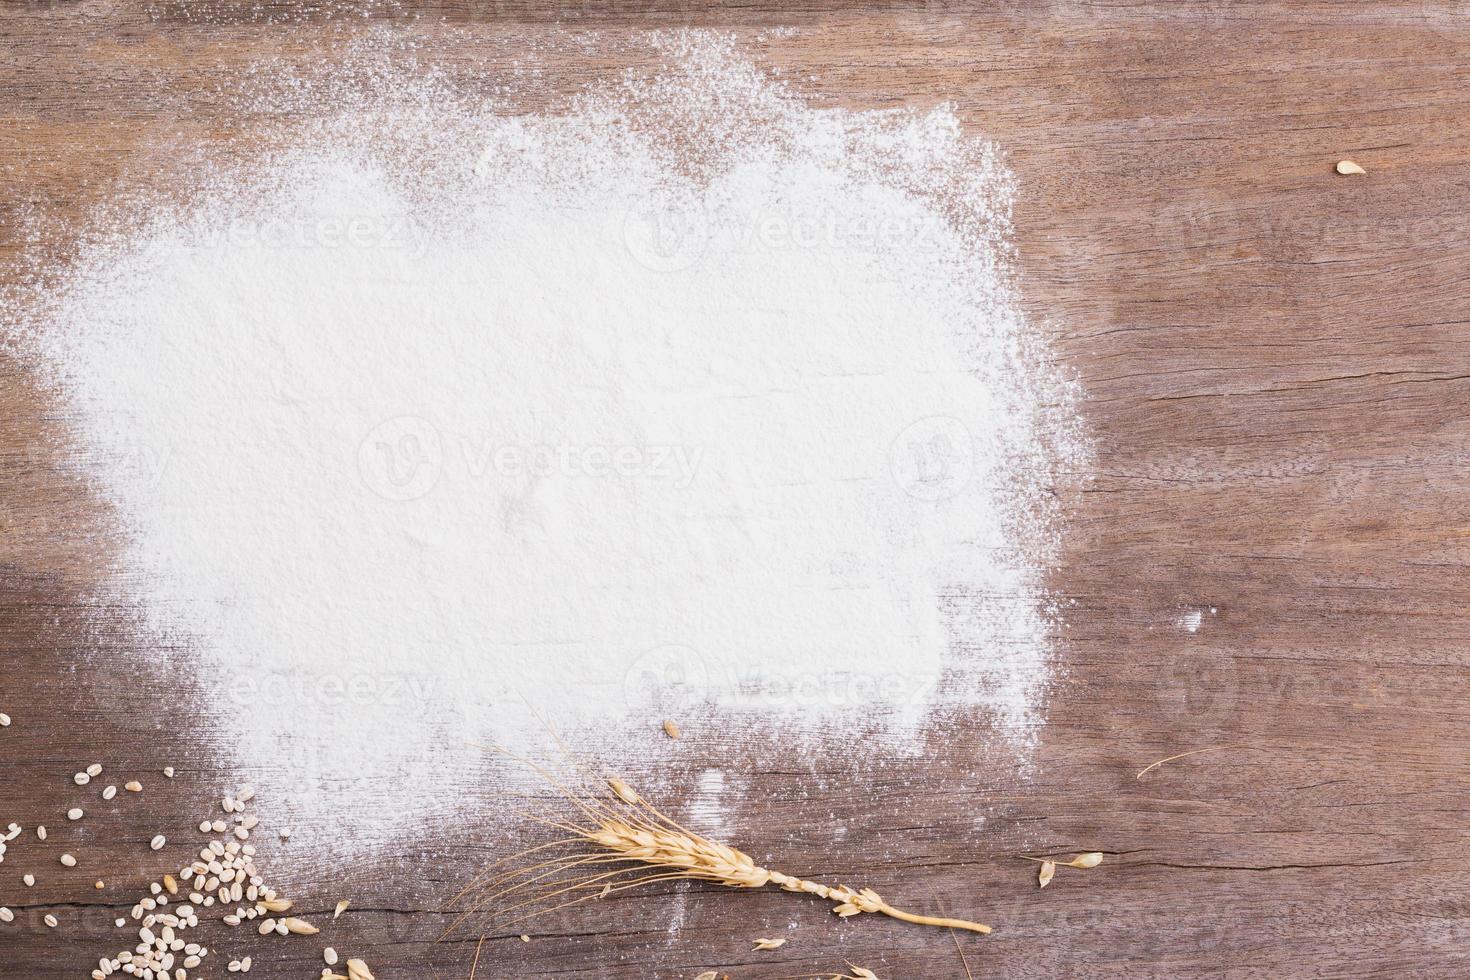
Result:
[{"x": 443, "y": 421}]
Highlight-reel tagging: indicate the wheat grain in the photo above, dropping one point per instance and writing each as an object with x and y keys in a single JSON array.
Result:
[{"x": 626, "y": 835}]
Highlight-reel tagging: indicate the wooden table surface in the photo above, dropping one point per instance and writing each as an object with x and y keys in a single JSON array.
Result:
[{"x": 1276, "y": 363}]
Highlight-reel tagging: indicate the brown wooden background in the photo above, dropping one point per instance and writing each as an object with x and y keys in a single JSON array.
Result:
[{"x": 1277, "y": 368}]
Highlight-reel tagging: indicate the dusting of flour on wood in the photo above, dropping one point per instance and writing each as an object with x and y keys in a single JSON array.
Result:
[{"x": 688, "y": 400}]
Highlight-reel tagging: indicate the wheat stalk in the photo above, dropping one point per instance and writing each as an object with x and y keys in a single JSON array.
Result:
[{"x": 626, "y": 835}]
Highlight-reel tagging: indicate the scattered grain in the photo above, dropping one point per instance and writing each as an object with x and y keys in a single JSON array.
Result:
[
  {"x": 1347, "y": 167},
  {"x": 341, "y": 907},
  {"x": 762, "y": 945},
  {"x": 75, "y": 813},
  {"x": 68, "y": 860},
  {"x": 133, "y": 786},
  {"x": 299, "y": 927},
  {"x": 158, "y": 842},
  {"x": 1047, "y": 872},
  {"x": 671, "y": 729}
]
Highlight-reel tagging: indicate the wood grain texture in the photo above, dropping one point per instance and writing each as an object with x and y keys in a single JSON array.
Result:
[{"x": 1277, "y": 371}]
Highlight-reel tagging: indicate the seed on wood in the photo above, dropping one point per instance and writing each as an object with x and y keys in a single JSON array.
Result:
[
  {"x": 50, "y": 920},
  {"x": 358, "y": 970},
  {"x": 525, "y": 938},
  {"x": 158, "y": 842},
  {"x": 133, "y": 786},
  {"x": 109, "y": 792},
  {"x": 245, "y": 794},
  {"x": 763, "y": 945},
  {"x": 204, "y": 826},
  {"x": 81, "y": 779},
  {"x": 329, "y": 956},
  {"x": 75, "y": 813},
  {"x": 671, "y": 729},
  {"x": 171, "y": 884},
  {"x": 341, "y": 907},
  {"x": 168, "y": 771},
  {"x": 41, "y": 832},
  {"x": 99, "y": 886},
  {"x": 6, "y": 915},
  {"x": 30, "y": 880},
  {"x": 299, "y": 927},
  {"x": 4, "y": 720},
  {"x": 624, "y": 791},
  {"x": 1346, "y": 167},
  {"x": 94, "y": 770},
  {"x": 68, "y": 860},
  {"x": 1047, "y": 872}
]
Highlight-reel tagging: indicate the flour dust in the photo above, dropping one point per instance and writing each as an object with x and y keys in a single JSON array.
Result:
[{"x": 439, "y": 424}]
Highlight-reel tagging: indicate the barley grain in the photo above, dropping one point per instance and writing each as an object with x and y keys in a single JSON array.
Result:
[
  {"x": 68, "y": 860},
  {"x": 630, "y": 829}
]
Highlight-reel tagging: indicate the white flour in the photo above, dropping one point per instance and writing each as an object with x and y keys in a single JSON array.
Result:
[{"x": 689, "y": 398}]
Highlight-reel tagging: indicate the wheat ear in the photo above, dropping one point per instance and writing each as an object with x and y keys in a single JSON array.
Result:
[{"x": 629, "y": 832}]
